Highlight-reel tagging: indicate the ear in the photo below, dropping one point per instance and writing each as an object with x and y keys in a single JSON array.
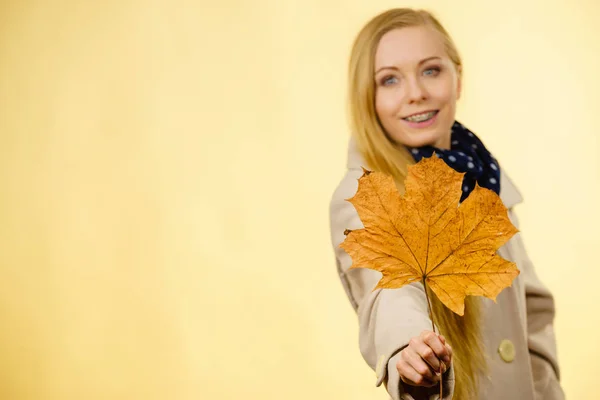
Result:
[{"x": 458, "y": 82}]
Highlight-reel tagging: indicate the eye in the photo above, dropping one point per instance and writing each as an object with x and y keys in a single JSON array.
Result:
[
  {"x": 432, "y": 71},
  {"x": 389, "y": 80}
]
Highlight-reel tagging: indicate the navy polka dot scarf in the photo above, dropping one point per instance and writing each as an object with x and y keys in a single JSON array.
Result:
[{"x": 467, "y": 154}]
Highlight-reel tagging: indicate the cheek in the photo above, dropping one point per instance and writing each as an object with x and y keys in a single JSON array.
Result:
[
  {"x": 445, "y": 92},
  {"x": 386, "y": 104}
]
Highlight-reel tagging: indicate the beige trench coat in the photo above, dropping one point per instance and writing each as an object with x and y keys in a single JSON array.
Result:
[{"x": 518, "y": 329}]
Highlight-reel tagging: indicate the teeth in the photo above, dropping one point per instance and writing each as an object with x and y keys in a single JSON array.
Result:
[{"x": 420, "y": 117}]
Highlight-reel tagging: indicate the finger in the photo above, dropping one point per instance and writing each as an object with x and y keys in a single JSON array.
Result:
[
  {"x": 425, "y": 352},
  {"x": 411, "y": 356},
  {"x": 434, "y": 342},
  {"x": 410, "y": 376},
  {"x": 449, "y": 348}
]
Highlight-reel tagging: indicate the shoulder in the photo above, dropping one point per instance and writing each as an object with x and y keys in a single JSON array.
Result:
[
  {"x": 347, "y": 186},
  {"x": 342, "y": 214},
  {"x": 509, "y": 193}
]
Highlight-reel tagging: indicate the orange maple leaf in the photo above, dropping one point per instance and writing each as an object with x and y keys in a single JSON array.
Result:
[{"x": 426, "y": 235}]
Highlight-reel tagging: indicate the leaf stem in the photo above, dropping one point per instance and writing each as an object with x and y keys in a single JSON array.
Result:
[
  {"x": 433, "y": 329},
  {"x": 429, "y": 305}
]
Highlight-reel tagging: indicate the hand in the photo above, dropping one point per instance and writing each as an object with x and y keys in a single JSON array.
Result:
[{"x": 420, "y": 361}]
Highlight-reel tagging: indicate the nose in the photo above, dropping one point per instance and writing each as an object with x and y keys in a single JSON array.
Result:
[{"x": 416, "y": 92}]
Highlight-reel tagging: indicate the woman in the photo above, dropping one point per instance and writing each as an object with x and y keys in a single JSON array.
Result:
[{"x": 405, "y": 78}]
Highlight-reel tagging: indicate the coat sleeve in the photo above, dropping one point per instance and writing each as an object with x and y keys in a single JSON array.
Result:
[
  {"x": 540, "y": 331},
  {"x": 388, "y": 319}
]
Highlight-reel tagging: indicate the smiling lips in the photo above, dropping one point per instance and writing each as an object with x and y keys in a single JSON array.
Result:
[{"x": 420, "y": 117}]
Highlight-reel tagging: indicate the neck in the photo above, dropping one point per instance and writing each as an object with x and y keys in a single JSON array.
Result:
[{"x": 443, "y": 143}]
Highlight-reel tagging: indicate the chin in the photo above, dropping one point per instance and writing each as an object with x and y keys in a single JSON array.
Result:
[{"x": 419, "y": 139}]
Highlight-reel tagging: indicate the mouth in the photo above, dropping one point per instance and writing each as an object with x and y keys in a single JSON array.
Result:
[{"x": 421, "y": 117}]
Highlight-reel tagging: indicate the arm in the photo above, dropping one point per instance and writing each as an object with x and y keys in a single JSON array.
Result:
[
  {"x": 388, "y": 319},
  {"x": 540, "y": 331}
]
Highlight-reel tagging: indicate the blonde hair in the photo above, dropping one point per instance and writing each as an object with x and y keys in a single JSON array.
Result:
[{"x": 381, "y": 154}]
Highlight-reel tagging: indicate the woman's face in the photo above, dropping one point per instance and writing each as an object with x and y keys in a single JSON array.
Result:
[{"x": 417, "y": 86}]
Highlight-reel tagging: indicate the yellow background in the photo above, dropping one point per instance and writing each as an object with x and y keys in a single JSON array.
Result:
[{"x": 165, "y": 173}]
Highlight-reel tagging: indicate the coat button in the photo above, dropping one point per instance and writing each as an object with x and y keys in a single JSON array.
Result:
[{"x": 507, "y": 350}]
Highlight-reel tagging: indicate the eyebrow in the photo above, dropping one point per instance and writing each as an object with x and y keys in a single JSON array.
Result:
[{"x": 397, "y": 69}]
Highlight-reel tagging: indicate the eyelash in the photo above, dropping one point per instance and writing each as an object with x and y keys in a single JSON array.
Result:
[{"x": 434, "y": 68}]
